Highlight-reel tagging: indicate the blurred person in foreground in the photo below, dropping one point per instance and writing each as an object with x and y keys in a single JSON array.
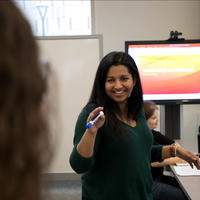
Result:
[{"x": 24, "y": 133}]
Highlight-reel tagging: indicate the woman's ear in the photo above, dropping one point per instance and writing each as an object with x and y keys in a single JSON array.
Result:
[{"x": 134, "y": 81}]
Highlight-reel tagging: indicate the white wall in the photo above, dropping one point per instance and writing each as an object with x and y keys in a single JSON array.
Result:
[
  {"x": 119, "y": 21},
  {"x": 191, "y": 122},
  {"x": 74, "y": 63},
  {"x": 144, "y": 20}
]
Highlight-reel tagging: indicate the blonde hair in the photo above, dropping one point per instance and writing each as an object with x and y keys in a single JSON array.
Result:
[{"x": 149, "y": 108}]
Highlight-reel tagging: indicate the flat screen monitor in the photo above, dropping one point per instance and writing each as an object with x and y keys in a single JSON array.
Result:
[{"x": 169, "y": 70}]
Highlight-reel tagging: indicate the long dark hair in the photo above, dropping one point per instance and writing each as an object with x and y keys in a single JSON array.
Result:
[
  {"x": 24, "y": 136},
  {"x": 99, "y": 97}
]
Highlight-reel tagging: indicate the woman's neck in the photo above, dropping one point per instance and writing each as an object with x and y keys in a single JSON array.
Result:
[
  {"x": 123, "y": 110},
  {"x": 123, "y": 116}
]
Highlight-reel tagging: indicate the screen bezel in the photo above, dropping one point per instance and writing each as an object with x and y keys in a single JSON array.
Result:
[{"x": 170, "y": 41}]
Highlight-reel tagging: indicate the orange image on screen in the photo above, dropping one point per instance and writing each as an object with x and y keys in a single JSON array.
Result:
[{"x": 171, "y": 74}]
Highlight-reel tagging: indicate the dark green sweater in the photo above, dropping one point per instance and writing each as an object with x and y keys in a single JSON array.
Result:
[{"x": 120, "y": 167}]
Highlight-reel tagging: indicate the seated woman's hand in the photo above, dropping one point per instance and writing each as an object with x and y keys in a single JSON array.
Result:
[{"x": 191, "y": 158}]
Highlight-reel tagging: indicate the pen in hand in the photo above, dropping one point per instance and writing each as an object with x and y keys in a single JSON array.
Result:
[{"x": 88, "y": 125}]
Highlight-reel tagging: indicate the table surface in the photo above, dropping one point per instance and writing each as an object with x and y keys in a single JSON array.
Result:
[{"x": 189, "y": 184}]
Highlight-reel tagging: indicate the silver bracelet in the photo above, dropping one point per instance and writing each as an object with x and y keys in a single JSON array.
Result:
[{"x": 175, "y": 149}]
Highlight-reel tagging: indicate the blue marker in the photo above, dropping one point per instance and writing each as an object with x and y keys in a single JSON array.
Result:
[{"x": 94, "y": 120}]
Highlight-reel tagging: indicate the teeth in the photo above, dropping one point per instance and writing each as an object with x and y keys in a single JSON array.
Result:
[{"x": 119, "y": 92}]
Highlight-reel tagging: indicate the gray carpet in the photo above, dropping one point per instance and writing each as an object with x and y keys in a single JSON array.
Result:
[{"x": 63, "y": 190}]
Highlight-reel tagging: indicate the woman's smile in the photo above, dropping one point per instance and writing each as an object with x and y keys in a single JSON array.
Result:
[{"x": 120, "y": 93}]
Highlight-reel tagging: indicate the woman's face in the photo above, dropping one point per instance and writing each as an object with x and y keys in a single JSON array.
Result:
[
  {"x": 152, "y": 122},
  {"x": 119, "y": 83}
]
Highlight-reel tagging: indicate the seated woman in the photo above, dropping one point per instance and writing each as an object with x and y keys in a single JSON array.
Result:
[{"x": 163, "y": 187}]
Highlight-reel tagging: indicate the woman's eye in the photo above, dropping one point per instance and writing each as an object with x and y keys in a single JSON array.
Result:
[
  {"x": 110, "y": 80},
  {"x": 124, "y": 78}
]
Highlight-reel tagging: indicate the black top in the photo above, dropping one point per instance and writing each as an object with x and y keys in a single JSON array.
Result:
[{"x": 159, "y": 139}]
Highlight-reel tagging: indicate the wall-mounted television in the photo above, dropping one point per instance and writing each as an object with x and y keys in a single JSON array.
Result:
[{"x": 169, "y": 69}]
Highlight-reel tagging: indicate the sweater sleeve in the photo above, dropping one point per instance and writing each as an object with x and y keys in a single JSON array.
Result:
[
  {"x": 156, "y": 153},
  {"x": 78, "y": 163}
]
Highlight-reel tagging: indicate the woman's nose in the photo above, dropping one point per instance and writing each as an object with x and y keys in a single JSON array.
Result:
[{"x": 118, "y": 84}]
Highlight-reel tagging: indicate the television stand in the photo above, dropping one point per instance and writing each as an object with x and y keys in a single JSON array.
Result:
[{"x": 173, "y": 121}]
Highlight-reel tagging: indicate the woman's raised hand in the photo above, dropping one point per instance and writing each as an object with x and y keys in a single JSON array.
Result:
[{"x": 99, "y": 123}]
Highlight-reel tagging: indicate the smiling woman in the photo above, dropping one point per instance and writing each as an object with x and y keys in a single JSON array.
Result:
[{"x": 107, "y": 152}]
